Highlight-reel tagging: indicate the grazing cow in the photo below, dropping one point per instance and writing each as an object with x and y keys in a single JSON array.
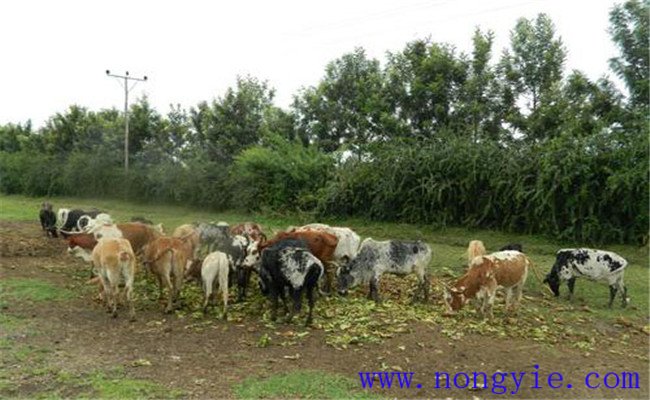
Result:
[
  {"x": 48, "y": 220},
  {"x": 113, "y": 259},
  {"x": 86, "y": 223},
  {"x": 189, "y": 234},
  {"x": 284, "y": 267},
  {"x": 507, "y": 269},
  {"x": 136, "y": 233},
  {"x": 390, "y": 256},
  {"x": 141, "y": 219},
  {"x": 81, "y": 245},
  {"x": 253, "y": 230},
  {"x": 348, "y": 240},
  {"x": 321, "y": 244},
  {"x": 213, "y": 235},
  {"x": 513, "y": 246},
  {"x": 166, "y": 257},
  {"x": 69, "y": 219},
  {"x": 476, "y": 248},
  {"x": 216, "y": 267},
  {"x": 593, "y": 264},
  {"x": 238, "y": 248}
]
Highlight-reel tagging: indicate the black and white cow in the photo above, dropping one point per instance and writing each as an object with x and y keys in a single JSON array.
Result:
[
  {"x": 513, "y": 246},
  {"x": 69, "y": 220},
  {"x": 391, "y": 256},
  {"x": 288, "y": 265},
  {"x": 213, "y": 235},
  {"x": 48, "y": 219},
  {"x": 592, "y": 264},
  {"x": 237, "y": 248}
]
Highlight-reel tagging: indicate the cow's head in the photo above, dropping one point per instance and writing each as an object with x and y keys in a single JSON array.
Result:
[
  {"x": 454, "y": 298},
  {"x": 345, "y": 279},
  {"x": 80, "y": 252},
  {"x": 253, "y": 255},
  {"x": 553, "y": 277}
]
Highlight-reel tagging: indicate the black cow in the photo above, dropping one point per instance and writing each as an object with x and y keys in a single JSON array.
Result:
[
  {"x": 592, "y": 264},
  {"x": 48, "y": 220},
  {"x": 288, "y": 265},
  {"x": 69, "y": 219},
  {"x": 513, "y": 246}
]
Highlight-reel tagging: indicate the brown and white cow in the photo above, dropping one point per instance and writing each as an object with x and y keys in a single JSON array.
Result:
[
  {"x": 190, "y": 235},
  {"x": 114, "y": 260},
  {"x": 253, "y": 230},
  {"x": 507, "y": 269},
  {"x": 166, "y": 257}
]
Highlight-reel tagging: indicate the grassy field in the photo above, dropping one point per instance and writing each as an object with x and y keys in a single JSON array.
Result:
[
  {"x": 448, "y": 244},
  {"x": 344, "y": 322}
]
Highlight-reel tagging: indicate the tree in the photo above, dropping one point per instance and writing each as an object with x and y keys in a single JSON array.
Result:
[
  {"x": 345, "y": 107},
  {"x": 423, "y": 86},
  {"x": 533, "y": 69},
  {"x": 630, "y": 33}
]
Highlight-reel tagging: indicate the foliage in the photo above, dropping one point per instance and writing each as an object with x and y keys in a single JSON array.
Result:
[{"x": 284, "y": 176}]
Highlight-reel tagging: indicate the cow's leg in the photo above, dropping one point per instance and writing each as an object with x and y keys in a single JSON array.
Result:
[
  {"x": 571, "y": 283},
  {"x": 274, "y": 303},
  {"x": 310, "y": 302},
  {"x": 243, "y": 277},
  {"x": 128, "y": 290},
  {"x": 207, "y": 290},
  {"x": 374, "y": 290},
  {"x": 108, "y": 294},
  {"x": 612, "y": 294},
  {"x": 425, "y": 288},
  {"x": 296, "y": 296},
  {"x": 223, "y": 285},
  {"x": 170, "y": 293},
  {"x": 161, "y": 284},
  {"x": 624, "y": 299}
]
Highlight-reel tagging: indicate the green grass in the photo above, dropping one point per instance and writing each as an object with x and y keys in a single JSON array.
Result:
[
  {"x": 30, "y": 289},
  {"x": 301, "y": 384}
]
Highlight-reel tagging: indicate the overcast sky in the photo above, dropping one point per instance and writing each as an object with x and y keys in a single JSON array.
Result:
[{"x": 55, "y": 53}]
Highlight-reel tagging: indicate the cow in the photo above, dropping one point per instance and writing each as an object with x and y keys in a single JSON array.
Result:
[
  {"x": 81, "y": 245},
  {"x": 190, "y": 235},
  {"x": 507, "y": 269},
  {"x": 592, "y": 264},
  {"x": 136, "y": 233},
  {"x": 513, "y": 246},
  {"x": 86, "y": 223},
  {"x": 215, "y": 269},
  {"x": 253, "y": 230},
  {"x": 212, "y": 235},
  {"x": 476, "y": 248},
  {"x": 166, "y": 257},
  {"x": 390, "y": 256},
  {"x": 348, "y": 240},
  {"x": 321, "y": 244},
  {"x": 48, "y": 220},
  {"x": 141, "y": 220},
  {"x": 238, "y": 248},
  {"x": 287, "y": 265},
  {"x": 69, "y": 219},
  {"x": 114, "y": 260}
]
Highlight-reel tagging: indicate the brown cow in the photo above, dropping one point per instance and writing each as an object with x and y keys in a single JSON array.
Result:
[
  {"x": 321, "y": 244},
  {"x": 190, "y": 235},
  {"x": 507, "y": 269},
  {"x": 167, "y": 257},
  {"x": 253, "y": 230},
  {"x": 113, "y": 259}
]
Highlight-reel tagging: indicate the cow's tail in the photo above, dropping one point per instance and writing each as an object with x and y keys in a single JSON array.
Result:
[{"x": 157, "y": 257}]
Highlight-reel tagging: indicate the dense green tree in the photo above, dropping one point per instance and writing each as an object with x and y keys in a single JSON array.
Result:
[
  {"x": 629, "y": 29},
  {"x": 346, "y": 107},
  {"x": 14, "y": 137}
]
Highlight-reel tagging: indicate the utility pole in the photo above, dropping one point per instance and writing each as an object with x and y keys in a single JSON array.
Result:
[{"x": 125, "y": 84}]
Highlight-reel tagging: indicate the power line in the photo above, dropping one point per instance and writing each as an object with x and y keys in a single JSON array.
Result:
[{"x": 126, "y": 78}]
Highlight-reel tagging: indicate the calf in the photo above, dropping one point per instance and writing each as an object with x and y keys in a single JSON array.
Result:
[
  {"x": 476, "y": 248},
  {"x": 215, "y": 268},
  {"x": 507, "y": 269},
  {"x": 69, "y": 219},
  {"x": 48, "y": 220},
  {"x": 113, "y": 259},
  {"x": 593, "y": 264},
  {"x": 320, "y": 244},
  {"x": 348, "y": 240},
  {"x": 253, "y": 230},
  {"x": 189, "y": 234},
  {"x": 391, "y": 256},
  {"x": 238, "y": 248},
  {"x": 166, "y": 257},
  {"x": 513, "y": 246},
  {"x": 294, "y": 268}
]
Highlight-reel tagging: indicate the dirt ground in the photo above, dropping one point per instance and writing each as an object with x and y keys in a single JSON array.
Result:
[{"x": 205, "y": 358}]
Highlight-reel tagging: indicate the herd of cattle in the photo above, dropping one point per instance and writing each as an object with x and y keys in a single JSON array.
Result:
[{"x": 306, "y": 259}]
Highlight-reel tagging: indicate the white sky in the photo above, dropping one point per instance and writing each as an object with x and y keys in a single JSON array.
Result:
[{"x": 55, "y": 53}]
